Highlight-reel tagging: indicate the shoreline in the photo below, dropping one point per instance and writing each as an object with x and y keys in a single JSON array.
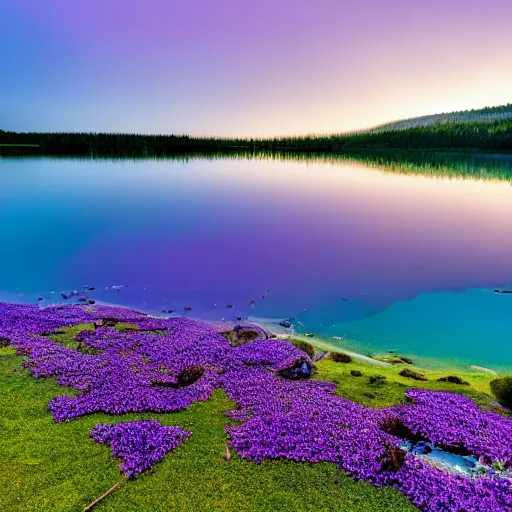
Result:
[
  {"x": 322, "y": 343},
  {"x": 332, "y": 348}
]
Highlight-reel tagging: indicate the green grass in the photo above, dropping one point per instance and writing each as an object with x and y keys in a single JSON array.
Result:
[
  {"x": 67, "y": 338},
  {"x": 391, "y": 390},
  {"x": 56, "y": 467},
  {"x": 46, "y": 466},
  {"x": 19, "y": 145},
  {"x": 125, "y": 326}
]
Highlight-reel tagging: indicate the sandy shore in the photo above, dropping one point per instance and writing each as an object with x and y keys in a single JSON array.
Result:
[
  {"x": 280, "y": 332},
  {"x": 484, "y": 369},
  {"x": 329, "y": 348}
]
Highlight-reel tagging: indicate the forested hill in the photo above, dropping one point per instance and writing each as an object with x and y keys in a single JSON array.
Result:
[
  {"x": 492, "y": 133},
  {"x": 485, "y": 115}
]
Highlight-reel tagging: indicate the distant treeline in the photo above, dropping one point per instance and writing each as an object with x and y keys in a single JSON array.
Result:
[
  {"x": 493, "y": 136},
  {"x": 114, "y": 144}
]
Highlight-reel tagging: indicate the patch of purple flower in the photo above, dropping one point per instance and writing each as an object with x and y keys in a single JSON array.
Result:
[
  {"x": 457, "y": 424},
  {"x": 301, "y": 420},
  {"x": 139, "y": 444}
]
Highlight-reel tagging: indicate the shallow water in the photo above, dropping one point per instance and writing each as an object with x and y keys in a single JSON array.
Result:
[{"x": 387, "y": 260}]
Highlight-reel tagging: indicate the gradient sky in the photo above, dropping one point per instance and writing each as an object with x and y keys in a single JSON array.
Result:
[{"x": 246, "y": 67}]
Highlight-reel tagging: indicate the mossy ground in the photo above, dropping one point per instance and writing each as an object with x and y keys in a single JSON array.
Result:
[
  {"x": 390, "y": 391},
  {"x": 46, "y": 466}
]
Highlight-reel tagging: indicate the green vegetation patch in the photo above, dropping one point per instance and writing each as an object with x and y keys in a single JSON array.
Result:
[
  {"x": 378, "y": 392},
  {"x": 303, "y": 345},
  {"x": 125, "y": 326},
  {"x": 66, "y": 336},
  {"x": 502, "y": 390},
  {"x": 56, "y": 467}
]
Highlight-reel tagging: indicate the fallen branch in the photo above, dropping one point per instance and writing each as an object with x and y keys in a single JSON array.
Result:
[{"x": 103, "y": 496}]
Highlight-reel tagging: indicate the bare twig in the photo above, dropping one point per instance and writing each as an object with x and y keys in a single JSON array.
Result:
[{"x": 103, "y": 496}]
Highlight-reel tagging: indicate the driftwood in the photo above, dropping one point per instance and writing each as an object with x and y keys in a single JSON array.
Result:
[{"x": 103, "y": 496}]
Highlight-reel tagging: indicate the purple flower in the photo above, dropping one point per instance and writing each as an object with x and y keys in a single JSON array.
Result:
[
  {"x": 139, "y": 444},
  {"x": 301, "y": 420}
]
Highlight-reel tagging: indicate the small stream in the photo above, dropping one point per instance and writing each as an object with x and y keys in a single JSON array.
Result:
[{"x": 463, "y": 464}]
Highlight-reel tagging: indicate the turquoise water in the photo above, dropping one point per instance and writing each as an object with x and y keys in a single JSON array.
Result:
[
  {"x": 472, "y": 326},
  {"x": 404, "y": 262}
]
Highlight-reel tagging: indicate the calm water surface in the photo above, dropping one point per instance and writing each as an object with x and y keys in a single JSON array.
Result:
[{"x": 385, "y": 260}]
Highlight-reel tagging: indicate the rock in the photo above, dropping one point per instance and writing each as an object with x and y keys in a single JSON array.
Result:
[
  {"x": 421, "y": 448},
  {"x": 485, "y": 460},
  {"x": 92, "y": 301},
  {"x": 107, "y": 322},
  {"x": 302, "y": 370},
  {"x": 65, "y": 296},
  {"x": 412, "y": 374},
  {"x": 454, "y": 380},
  {"x": 393, "y": 458},
  {"x": 190, "y": 375},
  {"x": 170, "y": 311},
  {"x": 393, "y": 360},
  {"x": 4, "y": 342},
  {"x": 377, "y": 379},
  {"x": 239, "y": 336},
  {"x": 320, "y": 354},
  {"x": 502, "y": 408},
  {"x": 400, "y": 360},
  {"x": 356, "y": 373},
  {"x": 82, "y": 299},
  {"x": 340, "y": 357}
]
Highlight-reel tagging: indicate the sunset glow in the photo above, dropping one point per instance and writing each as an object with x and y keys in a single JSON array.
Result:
[{"x": 244, "y": 68}]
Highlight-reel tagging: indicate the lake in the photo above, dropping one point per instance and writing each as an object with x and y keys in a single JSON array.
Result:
[{"x": 384, "y": 253}]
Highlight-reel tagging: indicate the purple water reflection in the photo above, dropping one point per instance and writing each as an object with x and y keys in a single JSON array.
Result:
[{"x": 223, "y": 232}]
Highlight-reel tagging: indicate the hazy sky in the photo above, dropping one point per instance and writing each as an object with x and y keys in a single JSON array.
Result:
[{"x": 247, "y": 67}]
